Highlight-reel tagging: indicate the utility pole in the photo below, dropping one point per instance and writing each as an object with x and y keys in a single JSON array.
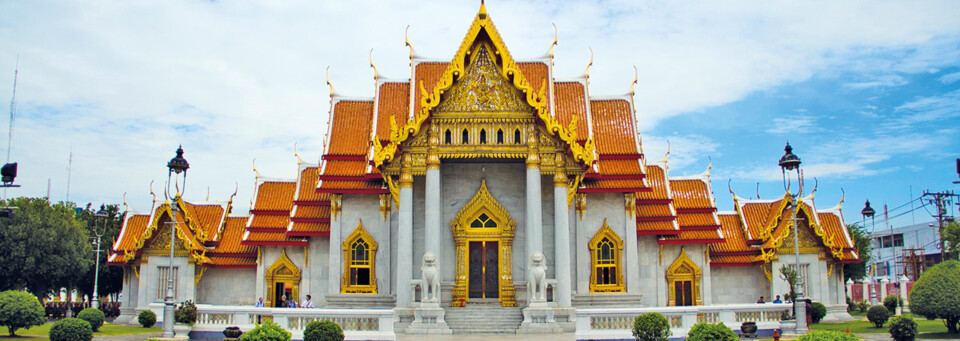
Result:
[{"x": 937, "y": 198}]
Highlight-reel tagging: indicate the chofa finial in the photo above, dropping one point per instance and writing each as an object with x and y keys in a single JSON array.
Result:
[
  {"x": 328, "y": 82},
  {"x": 587, "y": 70},
  {"x": 554, "y": 40},
  {"x": 632, "y": 91},
  {"x": 373, "y": 66}
]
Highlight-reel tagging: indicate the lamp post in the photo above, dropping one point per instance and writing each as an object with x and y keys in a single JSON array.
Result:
[
  {"x": 176, "y": 165},
  {"x": 788, "y": 163},
  {"x": 869, "y": 212},
  {"x": 100, "y": 219}
]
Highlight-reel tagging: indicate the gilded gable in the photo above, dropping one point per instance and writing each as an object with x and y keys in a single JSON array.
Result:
[{"x": 483, "y": 88}]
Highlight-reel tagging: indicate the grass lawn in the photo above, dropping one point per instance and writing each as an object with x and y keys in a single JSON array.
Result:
[
  {"x": 40, "y": 333},
  {"x": 928, "y": 329}
]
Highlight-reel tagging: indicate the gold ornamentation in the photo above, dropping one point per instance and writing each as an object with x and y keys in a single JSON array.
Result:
[
  {"x": 483, "y": 88},
  {"x": 559, "y": 175},
  {"x": 335, "y": 207},
  {"x": 629, "y": 203},
  {"x": 508, "y": 69},
  {"x": 683, "y": 269},
  {"x": 359, "y": 235},
  {"x": 484, "y": 203},
  {"x": 282, "y": 271},
  {"x": 580, "y": 204},
  {"x": 198, "y": 273},
  {"x": 605, "y": 238},
  {"x": 385, "y": 206},
  {"x": 809, "y": 244}
]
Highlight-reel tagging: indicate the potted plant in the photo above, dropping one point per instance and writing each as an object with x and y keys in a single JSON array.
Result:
[
  {"x": 185, "y": 317},
  {"x": 232, "y": 333},
  {"x": 748, "y": 328}
]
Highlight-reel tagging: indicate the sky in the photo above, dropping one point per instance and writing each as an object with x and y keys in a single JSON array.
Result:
[{"x": 867, "y": 92}]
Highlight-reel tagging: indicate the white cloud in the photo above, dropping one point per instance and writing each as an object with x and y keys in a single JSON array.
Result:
[
  {"x": 879, "y": 81},
  {"x": 926, "y": 109},
  {"x": 688, "y": 153},
  {"x": 950, "y": 78},
  {"x": 797, "y": 124}
]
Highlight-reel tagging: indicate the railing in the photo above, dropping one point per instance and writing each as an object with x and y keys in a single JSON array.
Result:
[
  {"x": 617, "y": 323},
  {"x": 357, "y": 324}
]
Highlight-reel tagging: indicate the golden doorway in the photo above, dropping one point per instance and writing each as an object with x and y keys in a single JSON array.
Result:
[
  {"x": 283, "y": 279},
  {"x": 483, "y": 232}
]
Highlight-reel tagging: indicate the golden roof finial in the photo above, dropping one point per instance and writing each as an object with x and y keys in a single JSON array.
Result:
[
  {"x": 208, "y": 193},
  {"x": 587, "y": 71},
  {"x": 843, "y": 197},
  {"x": 255, "y": 171},
  {"x": 328, "y": 83},
  {"x": 483, "y": 10},
  {"x": 709, "y": 165},
  {"x": 406, "y": 41},
  {"x": 374, "y": 67},
  {"x": 299, "y": 160},
  {"x": 731, "y": 189},
  {"x": 665, "y": 154},
  {"x": 555, "y": 35},
  {"x": 815, "y": 184},
  {"x": 125, "y": 206},
  {"x": 235, "y": 190},
  {"x": 632, "y": 92}
]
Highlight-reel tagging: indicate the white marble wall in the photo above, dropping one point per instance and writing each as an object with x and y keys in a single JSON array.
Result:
[
  {"x": 600, "y": 206},
  {"x": 697, "y": 253},
  {"x": 366, "y": 207},
  {"x": 649, "y": 252},
  {"x": 149, "y": 280},
  {"x": 227, "y": 287},
  {"x": 269, "y": 255},
  {"x": 739, "y": 284},
  {"x": 317, "y": 273}
]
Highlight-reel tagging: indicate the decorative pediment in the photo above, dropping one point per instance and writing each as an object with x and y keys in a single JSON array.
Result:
[
  {"x": 483, "y": 204},
  {"x": 483, "y": 88},
  {"x": 779, "y": 229}
]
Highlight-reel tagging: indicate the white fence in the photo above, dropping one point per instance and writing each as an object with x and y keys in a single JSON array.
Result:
[
  {"x": 357, "y": 324},
  {"x": 617, "y": 323}
]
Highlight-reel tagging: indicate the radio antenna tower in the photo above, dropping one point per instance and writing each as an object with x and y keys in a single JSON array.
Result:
[{"x": 13, "y": 110}]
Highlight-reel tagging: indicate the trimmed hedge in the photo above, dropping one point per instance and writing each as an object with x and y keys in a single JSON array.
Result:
[
  {"x": 71, "y": 329},
  {"x": 93, "y": 316},
  {"x": 325, "y": 330},
  {"x": 20, "y": 309},
  {"x": 903, "y": 329},
  {"x": 268, "y": 331},
  {"x": 651, "y": 327},
  {"x": 147, "y": 318},
  {"x": 817, "y": 311},
  {"x": 878, "y": 315},
  {"x": 937, "y": 294},
  {"x": 703, "y": 331},
  {"x": 827, "y": 335},
  {"x": 891, "y": 302}
]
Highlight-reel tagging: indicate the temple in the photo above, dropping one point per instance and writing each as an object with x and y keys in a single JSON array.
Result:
[{"x": 515, "y": 190}]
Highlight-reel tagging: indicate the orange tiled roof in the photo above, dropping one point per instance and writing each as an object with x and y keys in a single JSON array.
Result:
[
  {"x": 351, "y": 120},
  {"x": 427, "y": 74},
  {"x": 133, "y": 228},
  {"x": 232, "y": 262},
  {"x": 733, "y": 260},
  {"x": 691, "y": 193},
  {"x": 693, "y": 237},
  {"x": 755, "y": 215},
  {"x": 537, "y": 75},
  {"x": 339, "y": 168},
  {"x": 307, "y": 190},
  {"x": 694, "y": 221},
  {"x": 229, "y": 242},
  {"x": 620, "y": 167},
  {"x": 311, "y": 212},
  {"x": 613, "y": 130},
  {"x": 274, "y": 196},
  {"x": 308, "y": 229},
  {"x": 570, "y": 99},
  {"x": 209, "y": 218},
  {"x": 394, "y": 99},
  {"x": 655, "y": 212},
  {"x": 626, "y": 186},
  {"x": 268, "y": 221},
  {"x": 331, "y": 186},
  {"x": 734, "y": 239},
  {"x": 833, "y": 225},
  {"x": 271, "y": 238}
]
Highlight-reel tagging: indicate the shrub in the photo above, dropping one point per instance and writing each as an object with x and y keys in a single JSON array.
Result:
[
  {"x": 891, "y": 302},
  {"x": 71, "y": 329},
  {"x": 903, "y": 329},
  {"x": 817, "y": 311},
  {"x": 703, "y": 331},
  {"x": 323, "y": 331},
  {"x": 862, "y": 306},
  {"x": 878, "y": 315},
  {"x": 186, "y": 313},
  {"x": 826, "y": 335},
  {"x": 851, "y": 304},
  {"x": 651, "y": 327},
  {"x": 937, "y": 294},
  {"x": 19, "y": 309},
  {"x": 268, "y": 331},
  {"x": 93, "y": 316},
  {"x": 147, "y": 318}
]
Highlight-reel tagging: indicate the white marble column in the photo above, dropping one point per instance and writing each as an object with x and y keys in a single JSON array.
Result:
[
  {"x": 534, "y": 205},
  {"x": 630, "y": 236},
  {"x": 432, "y": 196},
  {"x": 903, "y": 293},
  {"x": 867, "y": 287},
  {"x": 333, "y": 284},
  {"x": 883, "y": 289},
  {"x": 405, "y": 237},
  {"x": 561, "y": 236}
]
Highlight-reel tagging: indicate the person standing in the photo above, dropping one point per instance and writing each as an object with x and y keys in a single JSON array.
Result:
[
  {"x": 290, "y": 302},
  {"x": 307, "y": 303},
  {"x": 259, "y": 303}
]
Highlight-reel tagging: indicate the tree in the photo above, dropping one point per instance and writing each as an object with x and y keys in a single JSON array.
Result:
[
  {"x": 951, "y": 237},
  {"x": 937, "y": 294},
  {"x": 111, "y": 277},
  {"x": 858, "y": 271},
  {"x": 19, "y": 309},
  {"x": 44, "y": 247}
]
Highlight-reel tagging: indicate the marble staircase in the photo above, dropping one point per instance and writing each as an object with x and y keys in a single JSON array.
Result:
[{"x": 484, "y": 318}]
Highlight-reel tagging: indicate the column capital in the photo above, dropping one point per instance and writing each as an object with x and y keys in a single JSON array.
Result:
[
  {"x": 559, "y": 176},
  {"x": 406, "y": 170}
]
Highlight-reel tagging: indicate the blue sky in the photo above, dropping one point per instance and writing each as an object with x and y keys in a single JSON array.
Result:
[{"x": 868, "y": 93}]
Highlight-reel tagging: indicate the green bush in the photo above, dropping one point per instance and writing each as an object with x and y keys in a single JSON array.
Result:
[
  {"x": 651, "y": 327},
  {"x": 19, "y": 309},
  {"x": 71, "y": 329},
  {"x": 878, "y": 315},
  {"x": 703, "y": 331},
  {"x": 268, "y": 331},
  {"x": 826, "y": 335},
  {"x": 937, "y": 294},
  {"x": 325, "y": 330},
  {"x": 186, "y": 313},
  {"x": 147, "y": 318},
  {"x": 851, "y": 305},
  {"x": 903, "y": 329},
  {"x": 862, "y": 306},
  {"x": 93, "y": 316},
  {"x": 891, "y": 302},
  {"x": 817, "y": 311}
]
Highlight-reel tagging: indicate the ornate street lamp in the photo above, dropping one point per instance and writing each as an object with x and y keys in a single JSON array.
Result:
[
  {"x": 789, "y": 162},
  {"x": 100, "y": 221},
  {"x": 177, "y": 165}
]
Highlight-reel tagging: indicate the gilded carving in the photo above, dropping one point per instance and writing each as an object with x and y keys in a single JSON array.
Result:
[
  {"x": 484, "y": 203},
  {"x": 684, "y": 269},
  {"x": 370, "y": 248},
  {"x": 606, "y": 238},
  {"x": 282, "y": 271},
  {"x": 483, "y": 88}
]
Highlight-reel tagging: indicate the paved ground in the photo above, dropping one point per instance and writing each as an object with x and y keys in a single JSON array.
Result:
[
  {"x": 132, "y": 337},
  {"x": 486, "y": 337}
]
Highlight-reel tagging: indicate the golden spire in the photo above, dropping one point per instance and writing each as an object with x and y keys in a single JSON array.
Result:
[
  {"x": 299, "y": 160},
  {"x": 587, "y": 70},
  {"x": 632, "y": 92},
  {"x": 406, "y": 40},
  {"x": 255, "y": 171},
  {"x": 328, "y": 84},
  {"x": 483, "y": 10},
  {"x": 709, "y": 166},
  {"x": 554, "y": 41},
  {"x": 374, "y": 67}
]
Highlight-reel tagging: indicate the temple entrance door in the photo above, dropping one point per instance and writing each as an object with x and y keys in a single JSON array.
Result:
[
  {"x": 281, "y": 290},
  {"x": 484, "y": 280}
]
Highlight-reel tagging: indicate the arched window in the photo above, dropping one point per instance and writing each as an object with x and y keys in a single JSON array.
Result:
[
  {"x": 606, "y": 252},
  {"x": 466, "y": 137},
  {"x": 516, "y": 136},
  {"x": 683, "y": 282},
  {"x": 446, "y": 137},
  {"x": 499, "y": 136},
  {"x": 483, "y": 221},
  {"x": 359, "y": 255},
  {"x": 483, "y": 136}
]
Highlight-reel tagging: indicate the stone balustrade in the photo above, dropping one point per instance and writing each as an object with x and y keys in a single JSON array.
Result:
[
  {"x": 357, "y": 324},
  {"x": 617, "y": 323}
]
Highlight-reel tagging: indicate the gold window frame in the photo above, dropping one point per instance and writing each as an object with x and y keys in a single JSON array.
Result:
[
  {"x": 684, "y": 269},
  {"x": 347, "y": 247},
  {"x": 608, "y": 233}
]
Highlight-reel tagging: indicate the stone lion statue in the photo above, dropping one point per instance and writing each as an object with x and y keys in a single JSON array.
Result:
[
  {"x": 430, "y": 277},
  {"x": 538, "y": 278}
]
